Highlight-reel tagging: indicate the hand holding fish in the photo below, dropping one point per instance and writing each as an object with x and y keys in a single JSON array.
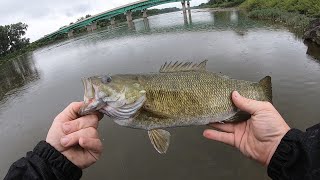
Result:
[
  {"x": 76, "y": 137},
  {"x": 257, "y": 138}
]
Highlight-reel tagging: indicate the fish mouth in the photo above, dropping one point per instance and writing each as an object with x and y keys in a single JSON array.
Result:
[
  {"x": 91, "y": 102},
  {"x": 89, "y": 91},
  {"x": 94, "y": 100}
]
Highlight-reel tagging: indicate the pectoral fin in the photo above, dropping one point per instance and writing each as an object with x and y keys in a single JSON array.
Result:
[
  {"x": 238, "y": 117},
  {"x": 160, "y": 139}
]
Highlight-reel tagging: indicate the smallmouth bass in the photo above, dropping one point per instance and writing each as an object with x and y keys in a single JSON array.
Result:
[{"x": 181, "y": 94}]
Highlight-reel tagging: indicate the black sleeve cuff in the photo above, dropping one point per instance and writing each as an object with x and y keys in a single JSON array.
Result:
[
  {"x": 285, "y": 153},
  {"x": 57, "y": 161}
]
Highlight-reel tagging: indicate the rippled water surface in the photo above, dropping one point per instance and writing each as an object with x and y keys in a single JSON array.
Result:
[{"x": 37, "y": 86}]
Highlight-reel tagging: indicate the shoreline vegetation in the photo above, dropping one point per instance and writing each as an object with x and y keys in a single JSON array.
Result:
[
  {"x": 296, "y": 14},
  {"x": 302, "y": 16}
]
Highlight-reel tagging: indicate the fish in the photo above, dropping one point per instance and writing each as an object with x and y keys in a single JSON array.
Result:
[{"x": 180, "y": 94}]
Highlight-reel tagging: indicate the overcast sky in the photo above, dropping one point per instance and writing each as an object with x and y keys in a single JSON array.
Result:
[{"x": 46, "y": 16}]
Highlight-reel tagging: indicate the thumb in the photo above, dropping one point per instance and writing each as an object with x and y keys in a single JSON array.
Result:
[{"x": 248, "y": 105}]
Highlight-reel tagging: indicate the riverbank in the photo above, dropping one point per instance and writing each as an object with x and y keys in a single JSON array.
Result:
[
  {"x": 221, "y": 4},
  {"x": 298, "y": 22},
  {"x": 299, "y": 15},
  {"x": 29, "y": 48}
]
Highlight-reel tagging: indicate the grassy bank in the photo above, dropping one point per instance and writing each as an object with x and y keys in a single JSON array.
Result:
[
  {"x": 310, "y": 8},
  {"x": 299, "y": 22},
  {"x": 221, "y": 4},
  {"x": 295, "y": 14}
]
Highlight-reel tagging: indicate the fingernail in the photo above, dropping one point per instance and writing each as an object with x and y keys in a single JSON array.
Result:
[
  {"x": 236, "y": 94},
  {"x": 64, "y": 141},
  {"x": 205, "y": 133},
  {"x": 66, "y": 127}
]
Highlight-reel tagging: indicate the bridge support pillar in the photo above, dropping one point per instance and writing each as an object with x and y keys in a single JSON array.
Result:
[
  {"x": 189, "y": 12},
  {"x": 184, "y": 11},
  {"x": 70, "y": 34},
  {"x": 129, "y": 19},
  {"x": 144, "y": 13},
  {"x": 129, "y": 16},
  {"x": 113, "y": 22},
  {"x": 183, "y": 3},
  {"x": 92, "y": 27},
  {"x": 188, "y": 7}
]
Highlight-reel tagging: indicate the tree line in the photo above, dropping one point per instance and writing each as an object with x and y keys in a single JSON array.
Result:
[{"x": 11, "y": 38}]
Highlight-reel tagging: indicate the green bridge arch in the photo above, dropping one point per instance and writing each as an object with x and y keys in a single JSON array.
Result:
[{"x": 140, "y": 5}]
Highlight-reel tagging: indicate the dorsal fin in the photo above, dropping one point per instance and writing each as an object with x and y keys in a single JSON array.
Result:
[{"x": 180, "y": 66}]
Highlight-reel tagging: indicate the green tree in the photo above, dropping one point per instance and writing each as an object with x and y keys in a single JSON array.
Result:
[
  {"x": 4, "y": 40},
  {"x": 11, "y": 38}
]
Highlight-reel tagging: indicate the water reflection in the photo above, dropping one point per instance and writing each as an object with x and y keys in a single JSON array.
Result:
[
  {"x": 15, "y": 74},
  {"x": 131, "y": 25},
  {"x": 190, "y": 17},
  {"x": 146, "y": 24},
  {"x": 185, "y": 18}
]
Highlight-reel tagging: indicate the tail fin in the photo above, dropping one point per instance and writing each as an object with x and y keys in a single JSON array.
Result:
[{"x": 267, "y": 87}]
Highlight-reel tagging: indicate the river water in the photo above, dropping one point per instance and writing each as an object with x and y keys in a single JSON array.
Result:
[{"x": 37, "y": 86}]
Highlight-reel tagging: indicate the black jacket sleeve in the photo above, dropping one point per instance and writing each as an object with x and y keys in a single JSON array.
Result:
[
  {"x": 45, "y": 163},
  {"x": 297, "y": 156}
]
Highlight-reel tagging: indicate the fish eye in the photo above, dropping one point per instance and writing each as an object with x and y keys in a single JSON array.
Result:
[{"x": 106, "y": 79}]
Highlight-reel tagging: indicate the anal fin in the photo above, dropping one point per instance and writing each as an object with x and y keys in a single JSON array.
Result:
[{"x": 160, "y": 139}]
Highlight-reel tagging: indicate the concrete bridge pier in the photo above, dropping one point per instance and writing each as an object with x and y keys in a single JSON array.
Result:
[
  {"x": 129, "y": 16},
  {"x": 70, "y": 34},
  {"x": 184, "y": 12},
  {"x": 129, "y": 19},
  {"x": 189, "y": 12},
  {"x": 113, "y": 22},
  {"x": 144, "y": 13},
  {"x": 183, "y": 3},
  {"x": 92, "y": 27}
]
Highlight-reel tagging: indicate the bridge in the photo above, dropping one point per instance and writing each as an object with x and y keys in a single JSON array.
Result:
[{"x": 91, "y": 22}]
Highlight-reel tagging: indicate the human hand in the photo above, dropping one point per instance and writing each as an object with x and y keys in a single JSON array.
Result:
[
  {"x": 76, "y": 137},
  {"x": 258, "y": 137}
]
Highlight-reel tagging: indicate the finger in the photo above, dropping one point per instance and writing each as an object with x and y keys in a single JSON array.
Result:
[
  {"x": 71, "y": 111},
  {"x": 227, "y": 138},
  {"x": 92, "y": 144},
  {"x": 248, "y": 105},
  {"x": 73, "y": 138},
  {"x": 99, "y": 114},
  {"x": 226, "y": 127},
  {"x": 80, "y": 123}
]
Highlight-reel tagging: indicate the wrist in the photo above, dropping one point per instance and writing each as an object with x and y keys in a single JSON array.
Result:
[
  {"x": 284, "y": 152},
  {"x": 275, "y": 145},
  {"x": 58, "y": 162}
]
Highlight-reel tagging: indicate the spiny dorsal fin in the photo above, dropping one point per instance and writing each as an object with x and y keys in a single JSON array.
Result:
[
  {"x": 180, "y": 66},
  {"x": 160, "y": 139}
]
